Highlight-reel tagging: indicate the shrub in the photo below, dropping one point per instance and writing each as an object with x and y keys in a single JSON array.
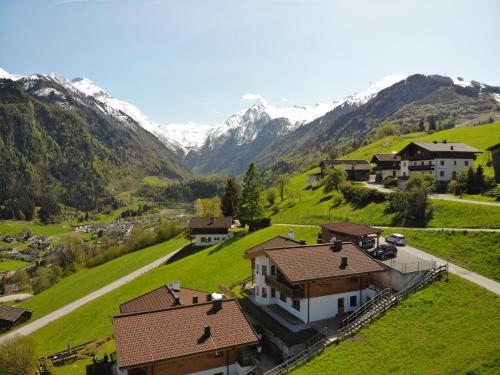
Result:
[
  {"x": 360, "y": 195},
  {"x": 390, "y": 182},
  {"x": 18, "y": 356},
  {"x": 270, "y": 196},
  {"x": 453, "y": 187}
]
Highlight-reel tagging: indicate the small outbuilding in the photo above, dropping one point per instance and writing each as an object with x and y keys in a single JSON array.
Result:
[
  {"x": 208, "y": 231},
  {"x": 349, "y": 232},
  {"x": 12, "y": 316},
  {"x": 356, "y": 170}
]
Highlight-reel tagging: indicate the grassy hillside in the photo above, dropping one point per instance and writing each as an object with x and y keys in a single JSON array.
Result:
[
  {"x": 448, "y": 328},
  {"x": 205, "y": 270},
  {"x": 15, "y": 227},
  {"x": 475, "y": 251},
  {"x": 480, "y": 137},
  {"x": 313, "y": 206},
  {"x": 75, "y": 286},
  {"x": 11, "y": 264}
]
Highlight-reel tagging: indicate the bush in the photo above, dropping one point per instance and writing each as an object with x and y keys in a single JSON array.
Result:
[
  {"x": 270, "y": 195},
  {"x": 391, "y": 182},
  {"x": 359, "y": 195},
  {"x": 18, "y": 356},
  {"x": 256, "y": 224},
  {"x": 453, "y": 187}
]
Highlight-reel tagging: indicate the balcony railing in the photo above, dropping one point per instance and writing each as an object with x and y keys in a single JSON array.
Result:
[
  {"x": 425, "y": 167},
  {"x": 292, "y": 292}
]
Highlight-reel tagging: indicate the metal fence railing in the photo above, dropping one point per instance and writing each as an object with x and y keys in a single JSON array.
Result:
[{"x": 407, "y": 267}]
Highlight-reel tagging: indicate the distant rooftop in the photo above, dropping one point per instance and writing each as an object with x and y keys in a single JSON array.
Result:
[
  {"x": 444, "y": 146},
  {"x": 211, "y": 222}
]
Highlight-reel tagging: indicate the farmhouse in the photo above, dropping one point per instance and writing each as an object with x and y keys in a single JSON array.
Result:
[
  {"x": 357, "y": 170},
  {"x": 211, "y": 337},
  {"x": 387, "y": 165},
  {"x": 495, "y": 156},
  {"x": 208, "y": 231},
  {"x": 12, "y": 316},
  {"x": 313, "y": 282},
  {"x": 445, "y": 160},
  {"x": 349, "y": 232}
]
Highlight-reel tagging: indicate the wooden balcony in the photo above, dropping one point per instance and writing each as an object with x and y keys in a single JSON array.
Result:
[
  {"x": 288, "y": 290},
  {"x": 425, "y": 167}
]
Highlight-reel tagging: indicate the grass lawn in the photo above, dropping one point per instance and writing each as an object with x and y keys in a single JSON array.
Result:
[
  {"x": 83, "y": 282},
  {"x": 475, "y": 251},
  {"x": 311, "y": 206},
  {"x": 15, "y": 227},
  {"x": 480, "y": 137},
  {"x": 476, "y": 197},
  {"x": 448, "y": 328},
  {"x": 205, "y": 270},
  {"x": 11, "y": 264},
  {"x": 154, "y": 181}
]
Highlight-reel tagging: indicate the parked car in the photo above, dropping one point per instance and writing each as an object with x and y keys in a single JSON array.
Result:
[
  {"x": 396, "y": 239},
  {"x": 367, "y": 243},
  {"x": 384, "y": 251}
]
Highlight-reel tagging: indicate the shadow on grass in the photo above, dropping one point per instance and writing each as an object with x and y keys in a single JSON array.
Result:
[
  {"x": 324, "y": 199},
  {"x": 222, "y": 245},
  {"x": 186, "y": 251}
]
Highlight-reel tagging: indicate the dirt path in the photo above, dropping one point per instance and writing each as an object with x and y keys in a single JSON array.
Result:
[
  {"x": 43, "y": 321},
  {"x": 15, "y": 297}
]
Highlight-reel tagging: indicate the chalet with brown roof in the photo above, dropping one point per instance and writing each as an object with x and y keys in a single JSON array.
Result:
[
  {"x": 313, "y": 282},
  {"x": 445, "y": 160},
  {"x": 12, "y": 316},
  {"x": 386, "y": 165},
  {"x": 208, "y": 231},
  {"x": 349, "y": 232},
  {"x": 357, "y": 170},
  {"x": 206, "y": 338}
]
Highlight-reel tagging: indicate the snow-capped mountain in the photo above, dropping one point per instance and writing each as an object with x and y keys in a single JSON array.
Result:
[
  {"x": 115, "y": 107},
  {"x": 190, "y": 135},
  {"x": 246, "y": 124}
]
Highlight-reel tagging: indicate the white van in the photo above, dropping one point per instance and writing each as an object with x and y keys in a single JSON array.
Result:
[{"x": 396, "y": 239}]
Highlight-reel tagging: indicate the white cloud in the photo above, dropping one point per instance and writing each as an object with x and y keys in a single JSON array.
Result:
[
  {"x": 283, "y": 99},
  {"x": 252, "y": 97}
]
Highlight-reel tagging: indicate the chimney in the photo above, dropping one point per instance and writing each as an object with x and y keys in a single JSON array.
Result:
[
  {"x": 176, "y": 286},
  {"x": 207, "y": 331},
  {"x": 337, "y": 246},
  {"x": 302, "y": 242},
  {"x": 209, "y": 297},
  {"x": 445, "y": 141},
  {"x": 451, "y": 148},
  {"x": 177, "y": 301},
  {"x": 212, "y": 220},
  {"x": 195, "y": 299},
  {"x": 343, "y": 262},
  {"x": 291, "y": 235},
  {"x": 217, "y": 304}
]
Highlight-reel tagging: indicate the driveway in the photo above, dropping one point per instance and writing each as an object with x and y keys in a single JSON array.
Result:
[
  {"x": 43, "y": 321},
  {"x": 15, "y": 297},
  {"x": 445, "y": 197}
]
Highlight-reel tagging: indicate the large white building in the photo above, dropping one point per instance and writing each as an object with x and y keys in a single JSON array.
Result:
[
  {"x": 444, "y": 160},
  {"x": 313, "y": 282}
]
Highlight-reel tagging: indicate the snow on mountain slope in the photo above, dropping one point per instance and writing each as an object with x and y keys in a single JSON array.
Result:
[
  {"x": 246, "y": 124},
  {"x": 189, "y": 135}
]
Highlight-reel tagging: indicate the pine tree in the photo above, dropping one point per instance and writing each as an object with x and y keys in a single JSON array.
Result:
[
  {"x": 479, "y": 180},
  {"x": 421, "y": 126},
  {"x": 231, "y": 198},
  {"x": 432, "y": 123},
  {"x": 251, "y": 206},
  {"x": 470, "y": 181}
]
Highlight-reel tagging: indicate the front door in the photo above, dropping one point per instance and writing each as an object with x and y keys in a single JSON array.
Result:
[{"x": 340, "y": 306}]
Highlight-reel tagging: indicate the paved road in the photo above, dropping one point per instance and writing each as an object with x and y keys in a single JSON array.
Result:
[
  {"x": 486, "y": 283},
  {"x": 445, "y": 197},
  {"x": 43, "y": 321},
  {"x": 398, "y": 228},
  {"x": 15, "y": 297}
]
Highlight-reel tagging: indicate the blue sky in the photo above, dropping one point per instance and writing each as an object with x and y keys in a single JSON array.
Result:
[{"x": 194, "y": 60}]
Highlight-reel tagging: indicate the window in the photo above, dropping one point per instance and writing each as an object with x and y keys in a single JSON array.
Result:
[
  {"x": 264, "y": 269},
  {"x": 257, "y": 269},
  {"x": 219, "y": 354},
  {"x": 264, "y": 292},
  {"x": 441, "y": 162},
  {"x": 296, "y": 304},
  {"x": 466, "y": 163},
  {"x": 283, "y": 297},
  {"x": 441, "y": 173},
  {"x": 354, "y": 280},
  {"x": 454, "y": 175},
  {"x": 454, "y": 162},
  {"x": 353, "y": 301},
  {"x": 273, "y": 270},
  {"x": 422, "y": 163},
  {"x": 256, "y": 290},
  {"x": 273, "y": 293}
]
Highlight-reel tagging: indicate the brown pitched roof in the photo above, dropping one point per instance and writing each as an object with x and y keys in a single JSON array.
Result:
[
  {"x": 10, "y": 314},
  {"x": 162, "y": 298},
  {"x": 385, "y": 157},
  {"x": 444, "y": 147},
  {"x": 178, "y": 332},
  {"x": 314, "y": 262},
  {"x": 210, "y": 222},
  {"x": 278, "y": 241},
  {"x": 494, "y": 147},
  {"x": 349, "y": 164},
  {"x": 351, "y": 229}
]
